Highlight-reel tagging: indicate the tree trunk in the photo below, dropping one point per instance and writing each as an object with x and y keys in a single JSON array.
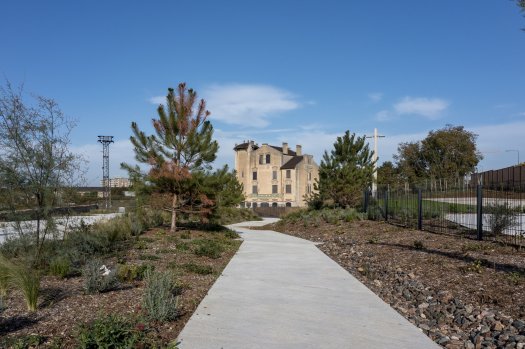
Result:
[{"x": 173, "y": 214}]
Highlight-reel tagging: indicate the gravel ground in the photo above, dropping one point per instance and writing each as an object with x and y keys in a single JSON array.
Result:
[{"x": 460, "y": 292}]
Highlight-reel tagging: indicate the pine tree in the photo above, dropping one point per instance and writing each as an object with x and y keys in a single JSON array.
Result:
[
  {"x": 344, "y": 173},
  {"x": 181, "y": 147}
]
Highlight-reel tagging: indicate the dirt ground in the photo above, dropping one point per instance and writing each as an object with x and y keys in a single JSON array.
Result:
[
  {"x": 63, "y": 304},
  {"x": 454, "y": 269}
]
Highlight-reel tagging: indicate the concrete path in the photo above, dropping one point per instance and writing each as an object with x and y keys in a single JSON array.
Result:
[{"x": 279, "y": 291}]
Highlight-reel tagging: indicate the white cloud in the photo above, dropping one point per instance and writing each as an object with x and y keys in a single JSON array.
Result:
[
  {"x": 384, "y": 115},
  {"x": 375, "y": 96},
  {"x": 429, "y": 108},
  {"x": 157, "y": 100},
  {"x": 247, "y": 105}
]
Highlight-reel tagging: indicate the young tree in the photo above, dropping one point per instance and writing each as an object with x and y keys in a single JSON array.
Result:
[
  {"x": 388, "y": 175},
  {"x": 36, "y": 165},
  {"x": 447, "y": 153},
  {"x": 181, "y": 147},
  {"x": 344, "y": 173}
]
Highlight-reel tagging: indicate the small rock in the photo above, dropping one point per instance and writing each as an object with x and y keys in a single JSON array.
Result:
[
  {"x": 518, "y": 324},
  {"x": 423, "y": 306},
  {"x": 411, "y": 275},
  {"x": 498, "y": 326}
]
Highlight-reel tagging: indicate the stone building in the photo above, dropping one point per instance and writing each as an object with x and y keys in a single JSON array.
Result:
[{"x": 274, "y": 176}]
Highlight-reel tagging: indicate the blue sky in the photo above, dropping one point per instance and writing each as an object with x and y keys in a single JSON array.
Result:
[{"x": 274, "y": 71}]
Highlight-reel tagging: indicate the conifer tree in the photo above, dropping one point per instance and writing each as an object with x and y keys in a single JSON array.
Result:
[
  {"x": 181, "y": 147},
  {"x": 344, "y": 173}
]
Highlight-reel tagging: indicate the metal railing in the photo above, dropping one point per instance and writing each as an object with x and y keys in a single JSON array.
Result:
[{"x": 496, "y": 213}]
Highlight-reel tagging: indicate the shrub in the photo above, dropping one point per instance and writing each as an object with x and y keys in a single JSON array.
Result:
[
  {"x": 95, "y": 281},
  {"x": 230, "y": 234},
  {"x": 501, "y": 217},
  {"x": 23, "y": 278},
  {"x": 150, "y": 257},
  {"x": 127, "y": 273},
  {"x": 209, "y": 248},
  {"x": 198, "y": 269},
  {"x": 182, "y": 246},
  {"x": 160, "y": 299},
  {"x": 110, "y": 332},
  {"x": 60, "y": 266},
  {"x": 418, "y": 245}
]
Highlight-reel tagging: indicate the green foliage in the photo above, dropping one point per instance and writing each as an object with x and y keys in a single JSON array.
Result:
[
  {"x": 231, "y": 215},
  {"x": 60, "y": 266},
  {"x": 111, "y": 332},
  {"x": 501, "y": 217},
  {"x": 198, "y": 269},
  {"x": 132, "y": 272},
  {"x": 447, "y": 153},
  {"x": 36, "y": 163},
  {"x": 208, "y": 248},
  {"x": 160, "y": 300},
  {"x": 333, "y": 216},
  {"x": 95, "y": 281},
  {"x": 182, "y": 246},
  {"x": 149, "y": 257},
  {"x": 418, "y": 245},
  {"x": 344, "y": 173},
  {"x": 21, "y": 277},
  {"x": 23, "y": 342},
  {"x": 181, "y": 147}
]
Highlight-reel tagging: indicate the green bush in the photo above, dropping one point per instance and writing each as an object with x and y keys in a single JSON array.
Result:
[
  {"x": 231, "y": 215},
  {"x": 501, "y": 217},
  {"x": 149, "y": 257},
  {"x": 127, "y": 273},
  {"x": 208, "y": 248},
  {"x": 94, "y": 281},
  {"x": 21, "y": 277},
  {"x": 230, "y": 234},
  {"x": 60, "y": 266},
  {"x": 110, "y": 332},
  {"x": 418, "y": 245},
  {"x": 160, "y": 300},
  {"x": 23, "y": 342}
]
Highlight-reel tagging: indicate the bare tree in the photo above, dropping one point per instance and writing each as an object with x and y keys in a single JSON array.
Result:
[{"x": 35, "y": 161}]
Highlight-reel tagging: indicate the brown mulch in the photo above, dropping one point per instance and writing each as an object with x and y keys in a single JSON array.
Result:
[
  {"x": 481, "y": 273},
  {"x": 64, "y": 306}
]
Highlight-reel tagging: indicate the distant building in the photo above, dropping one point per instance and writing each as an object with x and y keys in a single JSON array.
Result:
[
  {"x": 117, "y": 182},
  {"x": 274, "y": 176}
]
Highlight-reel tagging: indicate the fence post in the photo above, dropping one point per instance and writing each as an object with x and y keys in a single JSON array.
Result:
[
  {"x": 386, "y": 205},
  {"x": 419, "y": 209},
  {"x": 479, "y": 211}
]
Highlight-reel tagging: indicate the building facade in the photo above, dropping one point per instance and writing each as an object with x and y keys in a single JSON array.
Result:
[
  {"x": 117, "y": 182},
  {"x": 274, "y": 176}
]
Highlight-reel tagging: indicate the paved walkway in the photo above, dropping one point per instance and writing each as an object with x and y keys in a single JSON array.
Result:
[{"x": 279, "y": 291}]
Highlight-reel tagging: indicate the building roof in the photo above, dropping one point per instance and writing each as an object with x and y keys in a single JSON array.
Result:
[
  {"x": 290, "y": 152},
  {"x": 244, "y": 146},
  {"x": 290, "y": 165}
]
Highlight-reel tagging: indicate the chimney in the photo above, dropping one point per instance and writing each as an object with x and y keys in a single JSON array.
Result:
[
  {"x": 285, "y": 148},
  {"x": 299, "y": 150}
]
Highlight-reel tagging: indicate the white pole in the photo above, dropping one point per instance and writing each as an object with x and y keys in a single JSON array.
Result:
[{"x": 374, "y": 158}]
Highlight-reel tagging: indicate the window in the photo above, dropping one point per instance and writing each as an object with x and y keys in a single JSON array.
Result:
[
  {"x": 254, "y": 175},
  {"x": 274, "y": 175},
  {"x": 267, "y": 158},
  {"x": 274, "y": 204},
  {"x": 242, "y": 174},
  {"x": 288, "y": 204},
  {"x": 288, "y": 188},
  {"x": 254, "y": 189},
  {"x": 288, "y": 174},
  {"x": 254, "y": 204},
  {"x": 261, "y": 159},
  {"x": 309, "y": 176},
  {"x": 265, "y": 204},
  {"x": 274, "y": 189}
]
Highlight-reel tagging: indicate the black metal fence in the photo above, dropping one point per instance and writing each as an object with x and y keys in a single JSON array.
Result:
[{"x": 471, "y": 210}]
